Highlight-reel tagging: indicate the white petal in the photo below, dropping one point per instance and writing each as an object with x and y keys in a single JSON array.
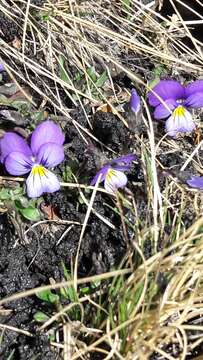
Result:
[
  {"x": 41, "y": 181},
  {"x": 114, "y": 179},
  {"x": 180, "y": 121}
]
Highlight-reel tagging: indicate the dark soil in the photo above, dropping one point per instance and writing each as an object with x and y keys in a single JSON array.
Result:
[
  {"x": 38, "y": 257},
  {"x": 187, "y": 11}
]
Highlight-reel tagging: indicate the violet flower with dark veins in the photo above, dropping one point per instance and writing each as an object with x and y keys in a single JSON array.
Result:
[
  {"x": 45, "y": 151},
  {"x": 177, "y": 99},
  {"x": 113, "y": 173},
  {"x": 135, "y": 103},
  {"x": 195, "y": 182},
  {"x": 133, "y": 113}
]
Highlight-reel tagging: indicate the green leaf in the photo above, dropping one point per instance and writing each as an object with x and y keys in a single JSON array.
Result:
[
  {"x": 10, "y": 194},
  {"x": 21, "y": 105},
  {"x": 154, "y": 82},
  {"x": 102, "y": 79},
  {"x": 126, "y": 3},
  {"x": 85, "y": 290},
  {"x": 30, "y": 213},
  {"x": 69, "y": 291},
  {"x": 126, "y": 6},
  {"x": 27, "y": 209},
  {"x": 92, "y": 74},
  {"x": 68, "y": 174},
  {"x": 78, "y": 76},
  {"x": 40, "y": 316},
  {"x": 37, "y": 116},
  {"x": 5, "y": 194},
  {"x": 62, "y": 71},
  {"x": 160, "y": 70},
  {"x": 23, "y": 202},
  {"x": 157, "y": 72},
  {"x": 44, "y": 15},
  {"x": 63, "y": 293},
  {"x": 45, "y": 18},
  {"x": 138, "y": 293},
  {"x": 80, "y": 200},
  {"x": 48, "y": 296},
  {"x": 52, "y": 337},
  {"x": 18, "y": 191}
]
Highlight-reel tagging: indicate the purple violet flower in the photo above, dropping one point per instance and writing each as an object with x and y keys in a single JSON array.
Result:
[
  {"x": 176, "y": 100},
  {"x": 1, "y": 67},
  {"x": 135, "y": 101},
  {"x": 45, "y": 151},
  {"x": 113, "y": 173},
  {"x": 196, "y": 182}
]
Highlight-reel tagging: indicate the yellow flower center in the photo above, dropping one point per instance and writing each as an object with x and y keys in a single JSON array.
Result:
[
  {"x": 179, "y": 111},
  {"x": 110, "y": 174},
  {"x": 38, "y": 170}
]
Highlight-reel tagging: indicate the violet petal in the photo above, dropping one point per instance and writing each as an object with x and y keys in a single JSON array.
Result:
[
  {"x": 41, "y": 181},
  {"x": 161, "y": 111},
  {"x": 195, "y": 100},
  {"x": 17, "y": 163},
  {"x": 13, "y": 142},
  {"x": 166, "y": 89},
  {"x": 114, "y": 180},
  {"x": 195, "y": 86},
  {"x": 196, "y": 182},
  {"x": 2, "y": 67},
  {"x": 50, "y": 155},
  {"x": 124, "y": 160},
  {"x": 101, "y": 172},
  {"x": 46, "y": 132},
  {"x": 121, "y": 167},
  {"x": 135, "y": 101}
]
